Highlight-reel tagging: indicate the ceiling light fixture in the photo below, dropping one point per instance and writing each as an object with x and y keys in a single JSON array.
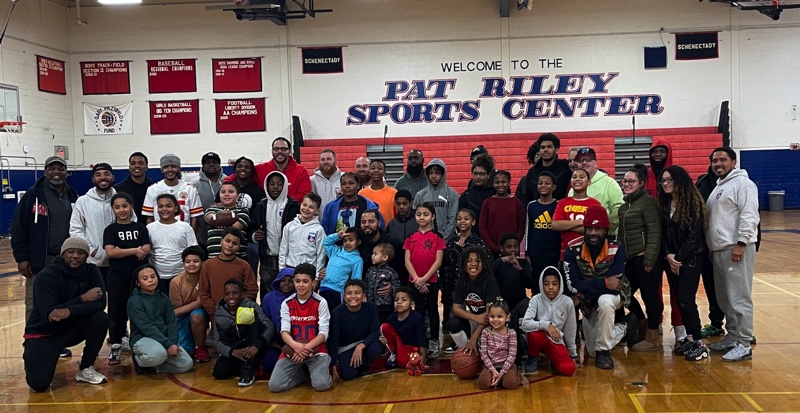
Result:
[{"x": 118, "y": 2}]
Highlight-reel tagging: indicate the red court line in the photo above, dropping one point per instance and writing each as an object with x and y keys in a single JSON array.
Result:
[{"x": 185, "y": 386}]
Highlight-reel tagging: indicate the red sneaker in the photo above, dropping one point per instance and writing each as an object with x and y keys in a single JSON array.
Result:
[{"x": 201, "y": 355}]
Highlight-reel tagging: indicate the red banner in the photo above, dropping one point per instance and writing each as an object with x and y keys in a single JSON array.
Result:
[
  {"x": 174, "y": 116},
  {"x": 241, "y": 115},
  {"x": 105, "y": 78},
  {"x": 52, "y": 77},
  {"x": 171, "y": 76},
  {"x": 237, "y": 75}
]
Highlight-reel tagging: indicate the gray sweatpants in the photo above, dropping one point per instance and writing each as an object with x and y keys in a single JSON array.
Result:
[
  {"x": 287, "y": 374},
  {"x": 150, "y": 353},
  {"x": 734, "y": 287}
]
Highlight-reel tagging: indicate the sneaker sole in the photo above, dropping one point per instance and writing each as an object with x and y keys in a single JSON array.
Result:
[
  {"x": 749, "y": 357},
  {"x": 698, "y": 358},
  {"x": 81, "y": 379},
  {"x": 247, "y": 384}
]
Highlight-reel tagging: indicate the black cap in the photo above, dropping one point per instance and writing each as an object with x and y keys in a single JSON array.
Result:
[
  {"x": 210, "y": 155},
  {"x": 586, "y": 153},
  {"x": 102, "y": 166}
]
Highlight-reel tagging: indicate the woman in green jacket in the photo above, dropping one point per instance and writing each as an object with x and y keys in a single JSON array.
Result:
[{"x": 640, "y": 233}]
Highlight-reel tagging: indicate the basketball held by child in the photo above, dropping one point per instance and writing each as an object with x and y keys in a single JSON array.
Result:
[
  {"x": 466, "y": 366},
  {"x": 224, "y": 218}
]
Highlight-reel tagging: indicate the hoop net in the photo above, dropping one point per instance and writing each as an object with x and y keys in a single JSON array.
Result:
[{"x": 12, "y": 130}]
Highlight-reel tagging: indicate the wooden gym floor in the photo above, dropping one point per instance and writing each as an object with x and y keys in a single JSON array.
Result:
[{"x": 643, "y": 382}]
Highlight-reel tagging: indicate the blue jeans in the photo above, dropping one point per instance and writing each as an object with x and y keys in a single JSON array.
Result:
[
  {"x": 368, "y": 356},
  {"x": 185, "y": 336}
]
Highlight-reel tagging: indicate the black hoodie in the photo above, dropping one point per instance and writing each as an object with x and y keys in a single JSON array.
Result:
[{"x": 59, "y": 286}]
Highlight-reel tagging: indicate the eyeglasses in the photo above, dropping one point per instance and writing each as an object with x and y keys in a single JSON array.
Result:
[
  {"x": 584, "y": 160},
  {"x": 280, "y": 149},
  {"x": 666, "y": 181},
  {"x": 629, "y": 181},
  {"x": 479, "y": 173}
]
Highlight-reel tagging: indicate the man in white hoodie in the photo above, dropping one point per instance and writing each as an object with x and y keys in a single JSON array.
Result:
[
  {"x": 93, "y": 213},
  {"x": 731, "y": 236},
  {"x": 325, "y": 181}
]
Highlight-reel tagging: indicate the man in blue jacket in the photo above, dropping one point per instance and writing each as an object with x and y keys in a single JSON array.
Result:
[{"x": 595, "y": 267}]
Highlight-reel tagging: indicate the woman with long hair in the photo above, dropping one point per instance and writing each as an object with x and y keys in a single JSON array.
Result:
[
  {"x": 683, "y": 222},
  {"x": 640, "y": 233}
]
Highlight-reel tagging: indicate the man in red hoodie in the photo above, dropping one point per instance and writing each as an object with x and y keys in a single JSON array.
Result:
[{"x": 282, "y": 161}]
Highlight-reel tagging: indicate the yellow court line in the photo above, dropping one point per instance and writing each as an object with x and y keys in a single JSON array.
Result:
[
  {"x": 388, "y": 408},
  {"x": 636, "y": 403},
  {"x": 718, "y": 393},
  {"x": 776, "y": 287},
  {"x": 271, "y": 408},
  {"x": 752, "y": 402}
]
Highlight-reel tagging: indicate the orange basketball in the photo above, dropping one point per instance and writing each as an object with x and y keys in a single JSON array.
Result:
[{"x": 466, "y": 366}]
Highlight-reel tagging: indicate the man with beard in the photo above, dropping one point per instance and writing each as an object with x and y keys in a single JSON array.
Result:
[
  {"x": 69, "y": 298},
  {"x": 282, "y": 161},
  {"x": 325, "y": 181},
  {"x": 414, "y": 180},
  {"x": 185, "y": 193},
  {"x": 374, "y": 235},
  {"x": 731, "y": 235},
  {"x": 137, "y": 182},
  {"x": 207, "y": 186},
  {"x": 594, "y": 268},
  {"x": 93, "y": 213},
  {"x": 660, "y": 157},
  {"x": 41, "y": 224},
  {"x": 549, "y": 144},
  {"x": 362, "y": 172}
]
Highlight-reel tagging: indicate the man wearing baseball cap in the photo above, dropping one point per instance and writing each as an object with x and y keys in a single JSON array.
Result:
[
  {"x": 185, "y": 193},
  {"x": 93, "y": 213},
  {"x": 595, "y": 270},
  {"x": 603, "y": 188},
  {"x": 211, "y": 177},
  {"x": 41, "y": 224},
  {"x": 70, "y": 298}
]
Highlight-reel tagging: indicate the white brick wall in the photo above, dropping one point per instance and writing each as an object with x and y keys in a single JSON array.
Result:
[{"x": 406, "y": 40}]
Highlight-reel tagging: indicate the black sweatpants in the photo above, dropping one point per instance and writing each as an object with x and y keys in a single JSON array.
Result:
[
  {"x": 118, "y": 289},
  {"x": 649, "y": 285},
  {"x": 715, "y": 314},
  {"x": 227, "y": 367},
  {"x": 686, "y": 284},
  {"x": 429, "y": 304},
  {"x": 41, "y": 355}
]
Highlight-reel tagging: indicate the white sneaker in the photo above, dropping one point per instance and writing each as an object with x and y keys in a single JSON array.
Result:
[
  {"x": 91, "y": 376},
  {"x": 738, "y": 353},
  {"x": 433, "y": 349},
  {"x": 125, "y": 343},
  {"x": 727, "y": 343}
]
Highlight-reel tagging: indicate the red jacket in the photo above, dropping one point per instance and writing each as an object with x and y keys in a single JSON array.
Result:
[
  {"x": 651, "y": 184},
  {"x": 299, "y": 181}
]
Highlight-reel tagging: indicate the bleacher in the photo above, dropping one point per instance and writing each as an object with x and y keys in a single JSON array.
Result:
[{"x": 691, "y": 147}]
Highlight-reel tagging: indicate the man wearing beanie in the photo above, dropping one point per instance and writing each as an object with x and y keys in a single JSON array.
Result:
[
  {"x": 41, "y": 224},
  {"x": 188, "y": 200},
  {"x": 69, "y": 298},
  {"x": 93, "y": 213},
  {"x": 594, "y": 268}
]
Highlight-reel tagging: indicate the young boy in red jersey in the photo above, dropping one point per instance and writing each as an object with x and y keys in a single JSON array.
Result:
[{"x": 304, "y": 328}]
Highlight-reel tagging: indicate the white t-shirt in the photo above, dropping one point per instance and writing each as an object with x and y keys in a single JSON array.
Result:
[
  {"x": 188, "y": 199},
  {"x": 168, "y": 242}
]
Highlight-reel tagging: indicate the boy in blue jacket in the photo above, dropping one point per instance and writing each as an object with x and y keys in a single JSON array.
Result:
[{"x": 344, "y": 263}]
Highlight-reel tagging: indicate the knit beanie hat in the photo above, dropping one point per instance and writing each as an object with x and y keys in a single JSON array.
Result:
[
  {"x": 170, "y": 159},
  {"x": 76, "y": 243},
  {"x": 596, "y": 217}
]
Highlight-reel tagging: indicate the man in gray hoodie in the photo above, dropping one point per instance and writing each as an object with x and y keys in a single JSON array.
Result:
[
  {"x": 325, "y": 181},
  {"x": 93, "y": 213},
  {"x": 207, "y": 185},
  {"x": 731, "y": 235},
  {"x": 444, "y": 198}
]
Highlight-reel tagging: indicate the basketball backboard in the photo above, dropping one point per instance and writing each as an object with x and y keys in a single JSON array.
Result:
[{"x": 9, "y": 104}]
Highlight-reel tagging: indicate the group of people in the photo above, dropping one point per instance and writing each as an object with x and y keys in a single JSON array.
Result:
[{"x": 351, "y": 268}]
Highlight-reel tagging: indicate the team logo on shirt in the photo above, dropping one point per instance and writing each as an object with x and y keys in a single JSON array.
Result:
[
  {"x": 312, "y": 238},
  {"x": 545, "y": 221},
  {"x": 474, "y": 303},
  {"x": 719, "y": 194},
  {"x": 427, "y": 245},
  {"x": 183, "y": 195}
]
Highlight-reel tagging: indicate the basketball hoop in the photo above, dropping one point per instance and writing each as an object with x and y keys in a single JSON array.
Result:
[{"x": 12, "y": 129}]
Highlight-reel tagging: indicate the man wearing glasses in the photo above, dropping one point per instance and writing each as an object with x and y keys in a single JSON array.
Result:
[
  {"x": 602, "y": 188},
  {"x": 282, "y": 161}
]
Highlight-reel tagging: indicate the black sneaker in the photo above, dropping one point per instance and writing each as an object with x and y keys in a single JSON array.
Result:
[
  {"x": 697, "y": 351},
  {"x": 603, "y": 360},
  {"x": 246, "y": 376},
  {"x": 682, "y": 347},
  {"x": 451, "y": 349},
  {"x": 632, "y": 330},
  {"x": 65, "y": 352}
]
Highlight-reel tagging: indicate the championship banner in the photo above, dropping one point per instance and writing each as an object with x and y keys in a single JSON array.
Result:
[
  {"x": 171, "y": 76},
  {"x": 241, "y": 115},
  {"x": 174, "y": 116},
  {"x": 108, "y": 120},
  {"x": 696, "y": 46},
  {"x": 237, "y": 75},
  {"x": 105, "y": 78},
  {"x": 322, "y": 60},
  {"x": 52, "y": 77}
]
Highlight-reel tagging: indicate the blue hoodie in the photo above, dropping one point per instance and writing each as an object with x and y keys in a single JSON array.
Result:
[
  {"x": 330, "y": 215},
  {"x": 342, "y": 265},
  {"x": 271, "y": 303}
]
